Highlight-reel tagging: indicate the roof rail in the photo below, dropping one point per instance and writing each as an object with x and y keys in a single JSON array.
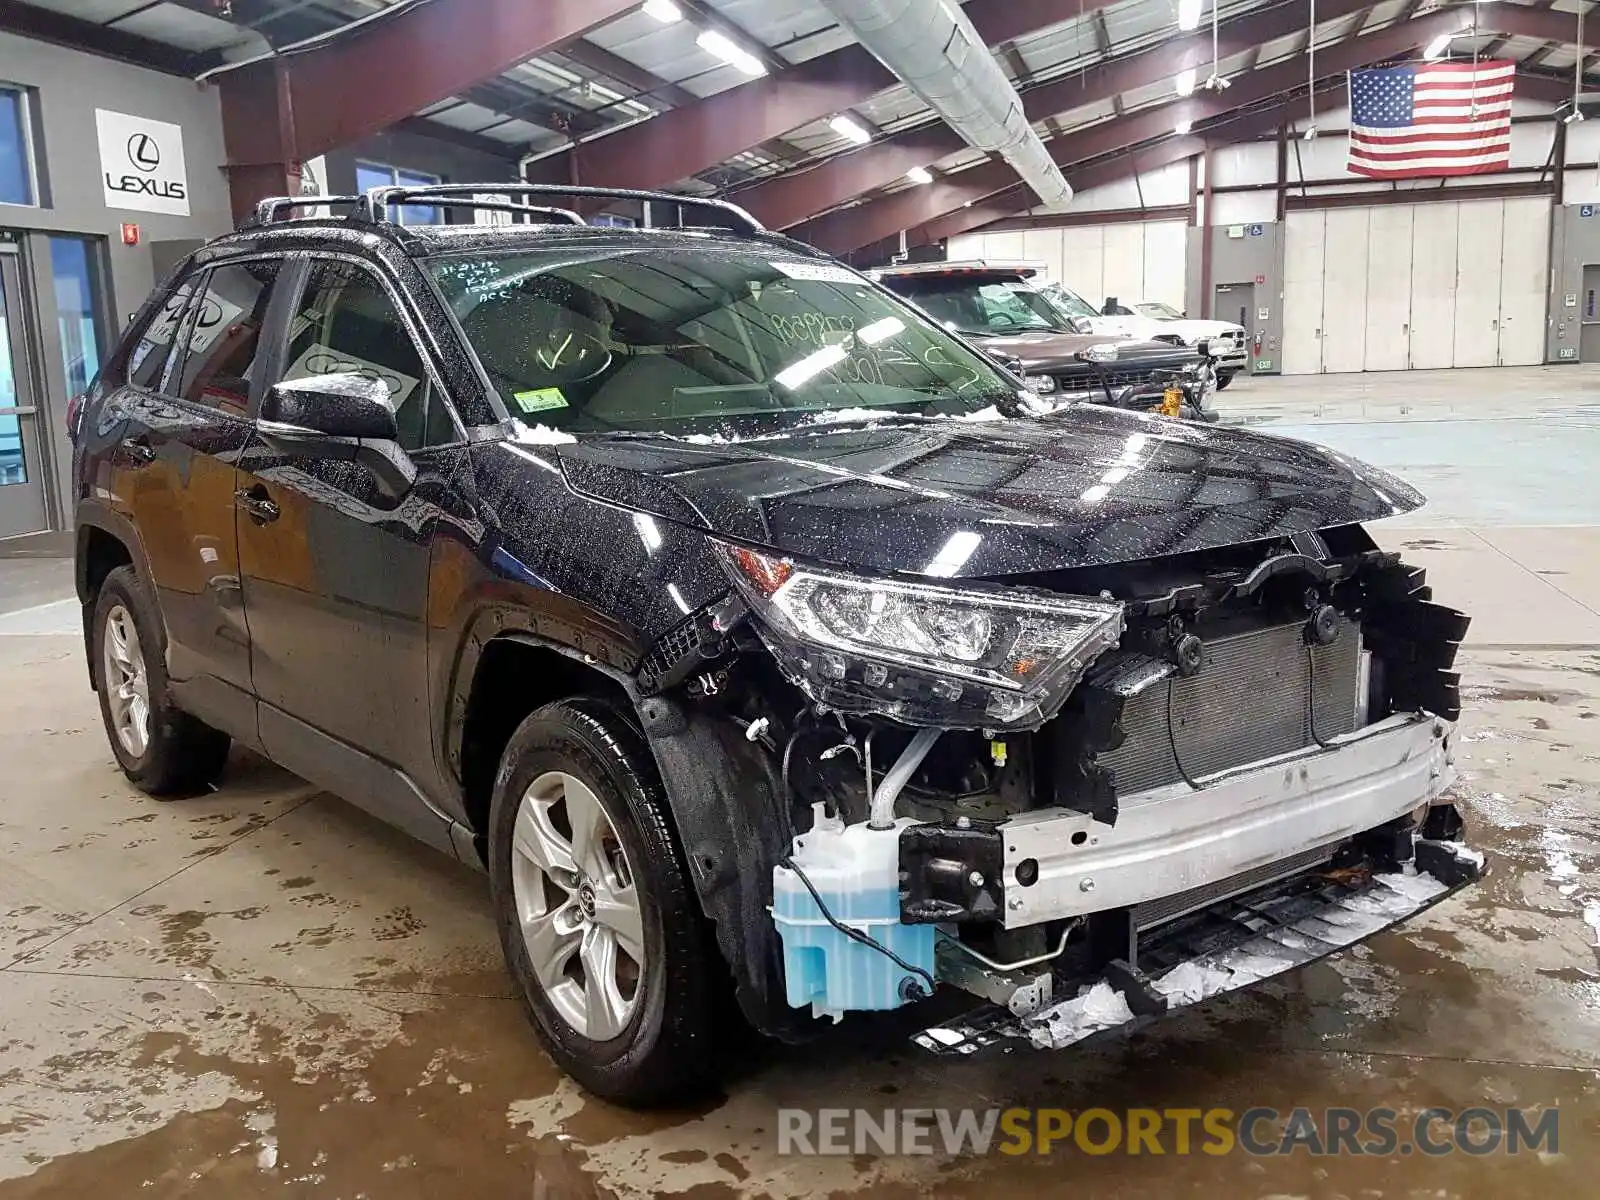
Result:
[
  {"x": 267, "y": 211},
  {"x": 435, "y": 199},
  {"x": 373, "y": 208}
]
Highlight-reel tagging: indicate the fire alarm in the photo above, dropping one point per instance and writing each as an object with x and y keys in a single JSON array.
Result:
[{"x": 130, "y": 234}]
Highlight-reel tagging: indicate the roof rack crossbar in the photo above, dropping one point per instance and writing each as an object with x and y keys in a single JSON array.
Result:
[
  {"x": 374, "y": 206},
  {"x": 267, "y": 211},
  {"x": 559, "y": 216}
]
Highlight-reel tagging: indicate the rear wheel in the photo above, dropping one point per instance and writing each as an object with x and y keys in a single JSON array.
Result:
[
  {"x": 596, "y": 912},
  {"x": 162, "y": 749}
]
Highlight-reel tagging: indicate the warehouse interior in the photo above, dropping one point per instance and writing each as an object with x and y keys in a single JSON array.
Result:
[{"x": 265, "y": 990}]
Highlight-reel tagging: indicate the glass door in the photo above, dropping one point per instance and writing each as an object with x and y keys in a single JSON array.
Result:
[{"x": 23, "y": 471}]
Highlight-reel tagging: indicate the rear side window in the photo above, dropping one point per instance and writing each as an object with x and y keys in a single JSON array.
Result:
[
  {"x": 349, "y": 323},
  {"x": 147, "y": 365},
  {"x": 221, "y": 362}
]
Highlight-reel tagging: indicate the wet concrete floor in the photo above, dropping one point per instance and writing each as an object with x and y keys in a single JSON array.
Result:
[{"x": 265, "y": 993}]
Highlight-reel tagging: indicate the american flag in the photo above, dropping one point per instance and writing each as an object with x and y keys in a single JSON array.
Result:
[{"x": 1428, "y": 119}]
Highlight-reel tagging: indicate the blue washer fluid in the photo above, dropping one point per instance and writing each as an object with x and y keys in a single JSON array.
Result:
[{"x": 856, "y": 871}]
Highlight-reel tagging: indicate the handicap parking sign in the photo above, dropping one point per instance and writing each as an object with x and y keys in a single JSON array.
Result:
[
  {"x": 1255, "y": 230},
  {"x": 1586, "y": 211}
]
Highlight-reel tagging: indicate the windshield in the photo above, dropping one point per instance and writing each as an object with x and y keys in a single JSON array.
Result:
[
  {"x": 991, "y": 309},
  {"x": 1161, "y": 312},
  {"x": 701, "y": 341},
  {"x": 1069, "y": 302}
]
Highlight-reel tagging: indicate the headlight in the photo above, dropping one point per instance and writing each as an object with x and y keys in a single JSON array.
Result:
[
  {"x": 922, "y": 653},
  {"x": 1041, "y": 384}
]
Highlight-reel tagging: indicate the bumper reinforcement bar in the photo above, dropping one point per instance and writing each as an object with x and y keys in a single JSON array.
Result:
[{"x": 1224, "y": 947}]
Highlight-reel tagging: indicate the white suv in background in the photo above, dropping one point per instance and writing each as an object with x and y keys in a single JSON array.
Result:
[{"x": 1152, "y": 320}]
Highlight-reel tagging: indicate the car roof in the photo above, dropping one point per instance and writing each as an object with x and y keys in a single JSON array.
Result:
[{"x": 426, "y": 241}]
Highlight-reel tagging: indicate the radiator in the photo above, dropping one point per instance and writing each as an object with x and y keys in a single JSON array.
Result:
[{"x": 1257, "y": 695}]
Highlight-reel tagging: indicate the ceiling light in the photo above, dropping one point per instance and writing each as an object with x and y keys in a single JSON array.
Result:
[
  {"x": 1189, "y": 13},
  {"x": 850, "y": 129},
  {"x": 1183, "y": 127},
  {"x": 730, "y": 52},
  {"x": 1437, "y": 47},
  {"x": 920, "y": 175},
  {"x": 1185, "y": 82},
  {"x": 664, "y": 11}
]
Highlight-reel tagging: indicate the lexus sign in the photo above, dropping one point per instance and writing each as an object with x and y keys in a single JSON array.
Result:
[{"x": 141, "y": 164}]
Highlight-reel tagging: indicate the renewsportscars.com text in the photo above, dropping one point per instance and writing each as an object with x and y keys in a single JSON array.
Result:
[{"x": 1261, "y": 1132}]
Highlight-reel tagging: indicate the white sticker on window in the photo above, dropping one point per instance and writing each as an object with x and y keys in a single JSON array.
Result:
[
  {"x": 819, "y": 272},
  {"x": 318, "y": 359},
  {"x": 212, "y": 321}
]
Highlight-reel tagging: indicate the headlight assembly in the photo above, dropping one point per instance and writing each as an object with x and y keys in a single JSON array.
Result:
[{"x": 923, "y": 653}]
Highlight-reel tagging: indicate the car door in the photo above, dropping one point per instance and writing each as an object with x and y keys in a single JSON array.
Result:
[
  {"x": 335, "y": 561},
  {"x": 185, "y": 407}
]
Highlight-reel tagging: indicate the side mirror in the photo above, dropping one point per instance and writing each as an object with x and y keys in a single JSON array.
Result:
[
  {"x": 341, "y": 405},
  {"x": 346, "y": 417},
  {"x": 1009, "y": 362}
]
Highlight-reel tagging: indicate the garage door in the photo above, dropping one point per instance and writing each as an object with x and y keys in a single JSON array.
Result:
[
  {"x": 1459, "y": 284},
  {"x": 1129, "y": 260}
]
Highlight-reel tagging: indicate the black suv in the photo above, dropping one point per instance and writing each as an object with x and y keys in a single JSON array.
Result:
[{"x": 748, "y": 629}]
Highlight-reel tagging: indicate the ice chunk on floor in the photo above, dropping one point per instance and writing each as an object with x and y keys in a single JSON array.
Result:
[{"x": 1101, "y": 1007}]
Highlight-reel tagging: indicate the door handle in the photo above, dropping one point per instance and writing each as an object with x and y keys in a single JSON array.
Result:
[{"x": 257, "y": 504}]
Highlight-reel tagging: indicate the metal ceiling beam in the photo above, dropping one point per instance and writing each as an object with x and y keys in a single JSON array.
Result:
[
  {"x": 45, "y": 25},
  {"x": 467, "y": 140},
  {"x": 646, "y": 83},
  {"x": 696, "y": 137},
  {"x": 788, "y": 200},
  {"x": 1014, "y": 199},
  {"x": 280, "y": 111},
  {"x": 849, "y": 228}
]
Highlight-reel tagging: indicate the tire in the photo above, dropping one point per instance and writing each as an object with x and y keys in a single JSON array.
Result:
[
  {"x": 178, "y": 754},
  {"x": 654, "y": 1042},
  {"x": 1224, "y": 378}
]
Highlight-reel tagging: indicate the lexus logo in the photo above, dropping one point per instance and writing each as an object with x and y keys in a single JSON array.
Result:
[{"x": 143, "y": 152}]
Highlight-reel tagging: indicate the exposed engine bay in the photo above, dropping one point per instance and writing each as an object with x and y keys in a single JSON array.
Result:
[{"x": 1261, "y": 720}]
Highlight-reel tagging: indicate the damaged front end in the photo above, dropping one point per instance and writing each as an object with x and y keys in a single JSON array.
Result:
[{"x": 1083, "y": 796}]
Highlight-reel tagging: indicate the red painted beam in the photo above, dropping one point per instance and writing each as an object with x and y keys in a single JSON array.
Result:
[
  {"x": 788, "y": 200},
  {"x": 674, "y": 145},
  {"x": 356, "y": 84},
  {"x": 849, "y": 228}
]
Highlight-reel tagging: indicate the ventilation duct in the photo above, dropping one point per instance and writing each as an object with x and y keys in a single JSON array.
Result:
[{"x": 932, "y": 47}]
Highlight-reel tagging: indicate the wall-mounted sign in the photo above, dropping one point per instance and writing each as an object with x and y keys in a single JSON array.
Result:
[
  {"x": 1586, "y": 211},
  {"x": 1567, "y": 352},
  {"x": 1236, "y": 231},
  {"x": 1263, "y": 314},
  {"x": 1263, "y": 364},
  {"x": 141, "y": 164},
  {"x": 1571, "y": 299},
  {"x": 1255, "y": 231}
]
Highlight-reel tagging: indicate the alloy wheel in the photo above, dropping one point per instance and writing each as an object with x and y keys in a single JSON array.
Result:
[
  {"x": 578, "y": 906},
  {"x": 126, "y": 681}
]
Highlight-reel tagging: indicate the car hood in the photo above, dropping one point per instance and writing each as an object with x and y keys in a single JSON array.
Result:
[
  {"x": 1087, "y": 486},
  {"x": 1195, "y": 328},
  {"x": 1042, "y": 351}
]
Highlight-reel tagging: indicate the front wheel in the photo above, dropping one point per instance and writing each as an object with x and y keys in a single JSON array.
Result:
[
  {"x": 596, "y": 911},
  {"x": 161, "y": 748},
  {"x": 1224, "y": 378}
]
